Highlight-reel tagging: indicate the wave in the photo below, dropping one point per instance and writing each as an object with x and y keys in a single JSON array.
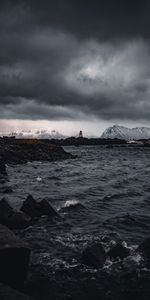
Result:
[{"x": 72, "y": 205}]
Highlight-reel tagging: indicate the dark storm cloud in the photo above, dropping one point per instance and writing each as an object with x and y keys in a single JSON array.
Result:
[
  {"x": 94, "y": 18},
  {"x": 74, "y": 59}
]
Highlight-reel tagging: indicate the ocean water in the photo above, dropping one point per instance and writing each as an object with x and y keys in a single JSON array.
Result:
[{"x": 102, "y": 195}]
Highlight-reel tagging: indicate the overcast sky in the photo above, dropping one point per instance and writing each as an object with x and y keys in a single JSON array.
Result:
[{"x": 74, "y": 64}]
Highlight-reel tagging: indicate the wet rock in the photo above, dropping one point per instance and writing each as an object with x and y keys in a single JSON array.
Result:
[
  {"x": 14, "y": 258},
  {"x": 130, "y": 265},
  {"x": 37, "y": 209},
  {"x": 18, "y": 220},
  {"x": 7, "y": 293},
  {"x": 118, "y": 251},
  {"x": 12, "y": 218},
  {"x": 94, "y": 255},
  {"x": 46, "y": 209},
  {"x": 144, "y": 248},
  {"x": 5, "y": 210},
  {"x": 31, "y": 207}
]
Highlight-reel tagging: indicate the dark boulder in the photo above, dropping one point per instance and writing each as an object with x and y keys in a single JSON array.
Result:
[
  {"x": 37, "y": 209},
  {"x": 5, "y": 209},
  {"x": 144, "y": 248},
  {"x": 14, "y": 258},
  {"x": 12, "y": 218},
  {"x": 31, "y": 207},
  {"x": 94, "y": 255},
  {"x": 7, "y": 293},
  {"x": 46, "y": 209},
  {"x": 18, "y": 220},
  {"x": 118, "y": 251}
]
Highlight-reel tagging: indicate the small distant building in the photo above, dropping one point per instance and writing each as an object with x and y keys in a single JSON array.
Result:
[{"x": 80, "y": 134}]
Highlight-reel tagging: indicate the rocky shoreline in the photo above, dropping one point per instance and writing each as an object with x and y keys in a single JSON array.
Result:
[
  {"x": 23, "y": 238},
  {"x": 18, "y": 151},
  {"x": 19, "y": 279},
  {"x": 21, "y": 151},
  {"x": 16, "y": 252}
]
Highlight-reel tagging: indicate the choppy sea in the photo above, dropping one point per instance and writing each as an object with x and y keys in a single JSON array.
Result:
[{"x": 102, "y": 195}]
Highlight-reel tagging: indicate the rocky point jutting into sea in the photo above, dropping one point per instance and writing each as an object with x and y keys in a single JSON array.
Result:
[
  {"x": 74, "y": 228},
  {"x": 27, "y": 150}
]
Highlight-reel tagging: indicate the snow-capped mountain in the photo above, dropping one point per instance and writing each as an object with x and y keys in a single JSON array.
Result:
[
  {"x": 38, "y": 134},
  {"x": 121, "y": 132}
]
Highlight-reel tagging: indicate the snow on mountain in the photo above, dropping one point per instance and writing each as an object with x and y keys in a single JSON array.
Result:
[
  {"x": 38, "y": 134},
  {"x": 121, "y": 132}
]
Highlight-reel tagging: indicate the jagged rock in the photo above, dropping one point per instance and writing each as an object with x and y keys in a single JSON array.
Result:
[
  {"x": 46, "y": 209},
  {"x": 94, "y": 255},
  {"x": 144, "y": 248},
  {"x": 36, "y": 209},
  {"x": 14, "y": 258},
  {"x": 7, "y": 293},
  {"x": 12, "y": 218},
  {"x": 118, "y": 251},
  {"x": 30, "y": 207}
]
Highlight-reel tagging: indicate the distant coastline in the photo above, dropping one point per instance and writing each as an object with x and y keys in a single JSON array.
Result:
[{"x": 73, "y": 141}]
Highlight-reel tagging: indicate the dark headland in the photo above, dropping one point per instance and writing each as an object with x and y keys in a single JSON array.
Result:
[
  {"x": 17, "y": 151},
  {"x": 13, "y": 150},
  {"x": 24, "y": 150},
  {"x": 38, "y": 144}
]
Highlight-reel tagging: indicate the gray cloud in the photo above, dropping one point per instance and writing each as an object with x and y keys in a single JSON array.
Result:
[
  {"x": 87, "y": 19},
  {"x": 52, "y": 68}
]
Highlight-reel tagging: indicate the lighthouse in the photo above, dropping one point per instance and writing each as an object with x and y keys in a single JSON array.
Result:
[{"x": 80, "y": 134}]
